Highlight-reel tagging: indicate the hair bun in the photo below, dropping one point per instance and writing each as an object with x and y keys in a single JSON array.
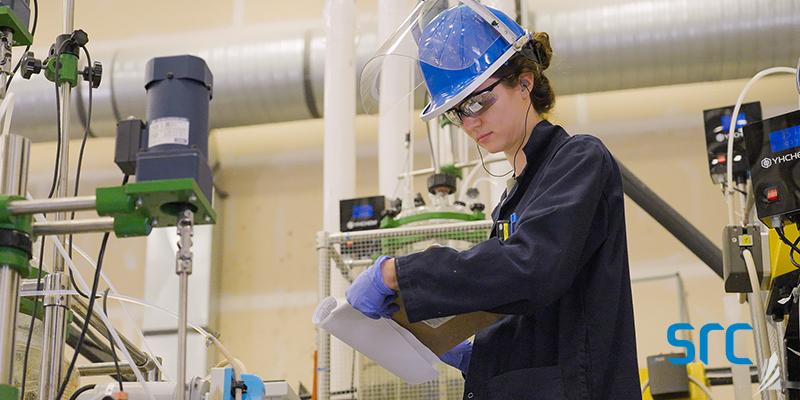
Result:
[{"x": 541, "y": 46}]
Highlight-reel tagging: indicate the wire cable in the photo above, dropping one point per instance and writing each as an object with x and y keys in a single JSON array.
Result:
[
  {"x": 28, "y": 47},
  {"x": 149, "y": 351},
  {"x": 236, "y": 364},
  {"x": 732, "y": 130},
  {"x": 82, "y": 390},
  {"x": 86, "y": 131},
  {"x": 792, "y": 246},
  {"x": 514, "y": 161},
  {"x": 49, "y": 195},
  {"x": 111, "y": 341},
  {"x": 89, "y": 309},
  {"x": 120, "y": 344}
]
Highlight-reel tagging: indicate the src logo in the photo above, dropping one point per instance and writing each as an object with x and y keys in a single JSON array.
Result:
[{"x": 766, "y": 163}]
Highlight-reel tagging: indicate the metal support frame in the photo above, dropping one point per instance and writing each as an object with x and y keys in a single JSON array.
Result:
[
  {"x": 41, "y": 206},
  {"x": 110, "y": 368},
  {"x": 56, "y": 307},
  {"x": 69, "y": 227},
  {"x": 14, "y": 154},
  {"x": 323, "y": 338},
  {"x": 183, "y": 267},
  {"x": 333, "y": 261},
  {"x": 9, "y": 303}
]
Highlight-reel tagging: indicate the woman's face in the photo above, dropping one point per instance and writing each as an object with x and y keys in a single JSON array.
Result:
[{"x": 502, "y": 126}]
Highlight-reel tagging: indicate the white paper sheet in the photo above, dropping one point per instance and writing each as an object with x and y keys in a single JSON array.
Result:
[{"x": 382, "y": 340}]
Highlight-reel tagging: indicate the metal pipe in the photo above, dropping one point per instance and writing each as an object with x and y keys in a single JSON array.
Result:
[
  {"x": 29, "y": 285},
  {"x": 9, "y": 293},
  {"x": 40, "y": 206},
  {"x": 104, "y": 224},
  {"x": 15, "y": 151},
  {"x": 416, "y": 230},
  {"x": 396, "y": 80},
  {"x": 683, "y": 310},
  {"x": 14, "y": 154},
  {"x": 670, "y": 219},
  {"x": 54, "y": 334},
  {"x": 108, "y": 368},
  {"x": 339, "y": 145},
  {"x": 183, "y": 267},
  {"x": 323, "y": 372},
  {"x": 56, "y": 307},
  {"x": 79, "y": 308}
]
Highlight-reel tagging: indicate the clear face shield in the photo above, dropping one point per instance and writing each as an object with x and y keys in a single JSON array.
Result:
[{"x": 448, "y": 49}]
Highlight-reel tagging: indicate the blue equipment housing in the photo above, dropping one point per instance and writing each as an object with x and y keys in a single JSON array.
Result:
[{"x": 175, "y": 142}]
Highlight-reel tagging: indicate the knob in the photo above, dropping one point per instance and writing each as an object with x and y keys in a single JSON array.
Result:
[
  {"x": 30, "y": 65},
  {"x": 96, "y": 73}
]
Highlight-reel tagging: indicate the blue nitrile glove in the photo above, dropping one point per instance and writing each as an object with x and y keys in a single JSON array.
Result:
[
  {"x": 459, "y": 356},
  {"x": 370, "y": 295}
]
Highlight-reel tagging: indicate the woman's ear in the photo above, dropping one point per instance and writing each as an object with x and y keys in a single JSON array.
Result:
[{"x": 526, "y": 83}]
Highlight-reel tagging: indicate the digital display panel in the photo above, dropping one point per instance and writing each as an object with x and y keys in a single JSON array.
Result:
[
  {"x": 784, "y": 139},
  {"x": 361, "y": 211}
]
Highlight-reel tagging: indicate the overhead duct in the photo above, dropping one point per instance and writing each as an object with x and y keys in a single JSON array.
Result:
[
  {"x": 653, "y": 43},
  {"x": 274, "y": 74}
]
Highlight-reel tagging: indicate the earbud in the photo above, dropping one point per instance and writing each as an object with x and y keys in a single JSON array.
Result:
[{"x": 524, "y": 85}]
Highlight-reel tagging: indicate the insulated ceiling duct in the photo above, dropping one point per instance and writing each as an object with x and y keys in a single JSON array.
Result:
[{"x": 274, "y": 74}]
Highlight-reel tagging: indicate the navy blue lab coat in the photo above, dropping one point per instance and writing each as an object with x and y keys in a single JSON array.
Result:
[{"x": 561, "y": 280}]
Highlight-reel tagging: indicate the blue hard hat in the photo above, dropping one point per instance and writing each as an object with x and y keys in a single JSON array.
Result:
[{"x": 458, "y": 51}]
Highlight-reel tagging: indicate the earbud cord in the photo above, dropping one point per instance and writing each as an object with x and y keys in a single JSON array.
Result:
[{"x": 521, "y": 143}]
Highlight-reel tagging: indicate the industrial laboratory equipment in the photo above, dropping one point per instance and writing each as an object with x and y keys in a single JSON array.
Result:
[{"x": 717, "y": 121}]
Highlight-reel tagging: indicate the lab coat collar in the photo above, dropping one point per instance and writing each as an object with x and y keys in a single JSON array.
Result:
[{"x": 542, "y": 139}]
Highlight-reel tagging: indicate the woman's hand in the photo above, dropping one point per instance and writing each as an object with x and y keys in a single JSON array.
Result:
[
  {"x": 370, "y": 295},
  {"x": 459, "y": 356}
]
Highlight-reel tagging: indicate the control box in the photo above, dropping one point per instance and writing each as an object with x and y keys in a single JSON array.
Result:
[
  {"x": 734, "y": 270},
  {"x": 667, "y": 380},
  {"x": 773, "y": 151},
  {"x": 717, "y": 124},
  {"x": 362, "y": 213}
]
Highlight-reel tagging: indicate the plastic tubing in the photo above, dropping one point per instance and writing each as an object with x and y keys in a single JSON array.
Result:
[
  {"x": 138, "y": 331},
  {"x": 235, "y": 363},
  {"x": 114, "y": 290},
  {"x": 102, "y": 315},
  {"x": 734, "y": 118},
  {"x": 760, "y": 316}
]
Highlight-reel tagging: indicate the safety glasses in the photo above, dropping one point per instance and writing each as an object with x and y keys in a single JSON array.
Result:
[{"x": 473, "y": 105}]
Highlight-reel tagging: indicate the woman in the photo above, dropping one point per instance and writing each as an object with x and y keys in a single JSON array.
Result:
[{"x": 561, "y": 277}]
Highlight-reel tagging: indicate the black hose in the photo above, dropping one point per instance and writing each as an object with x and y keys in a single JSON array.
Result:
[
  {"x": 670, "y": 219},
  {"x": 82, "y": 390}
]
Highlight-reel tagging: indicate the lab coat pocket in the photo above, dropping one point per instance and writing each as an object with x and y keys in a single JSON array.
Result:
[{"x": 542, "y": 383}]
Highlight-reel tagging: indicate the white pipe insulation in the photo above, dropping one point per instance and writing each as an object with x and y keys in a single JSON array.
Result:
[
  {"x": 274, "y": 74},
  {"x": 339, "y": 152}
]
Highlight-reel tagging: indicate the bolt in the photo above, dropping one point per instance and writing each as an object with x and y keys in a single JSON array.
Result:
[
  {"x": 192, "y": 198},
  {"x": 207, "y": 218},
  {"x": 170, "y": 75},
  {"x": 154, "y": 222},
  {"x": 733, "y": 240},
  {"x": 139, "y": 203}
]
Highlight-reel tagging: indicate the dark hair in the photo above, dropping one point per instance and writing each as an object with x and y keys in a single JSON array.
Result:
[{"x": 535, "y": 61}]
